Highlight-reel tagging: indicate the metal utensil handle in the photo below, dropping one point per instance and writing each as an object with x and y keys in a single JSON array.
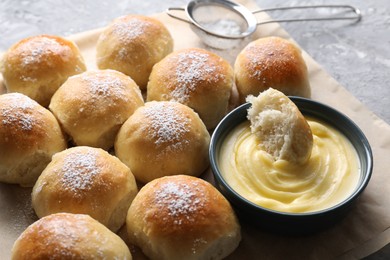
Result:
[
  {"x": 354, "y": 10},
  {"x": 169, "y": 12}
]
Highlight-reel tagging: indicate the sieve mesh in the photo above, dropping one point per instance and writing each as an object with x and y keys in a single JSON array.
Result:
[{"x": 219, "y": 20}]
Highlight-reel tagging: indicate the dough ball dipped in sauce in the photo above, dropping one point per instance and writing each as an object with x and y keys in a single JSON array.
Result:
[
  {"x": 280, "y": 126},
  {"x": 280, "y": 160}
]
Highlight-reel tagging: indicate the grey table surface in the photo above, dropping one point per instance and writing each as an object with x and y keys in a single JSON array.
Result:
[{"x": 356, "y": 55}]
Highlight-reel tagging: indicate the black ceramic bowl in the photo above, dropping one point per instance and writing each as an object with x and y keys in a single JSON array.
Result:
[{"x": 293, "y": 223}]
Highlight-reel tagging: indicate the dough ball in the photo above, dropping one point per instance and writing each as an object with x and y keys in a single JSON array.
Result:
[
  {"x": 38, "y": 65},
  {"x": 29, "y": 136},
  {"x": 69, "y": 236},
  {"x": 282, "y": 129},
  {"x": 92, "y": 106},
  {"x": 271, "y": 62},
  {"x": 132, "y": 44},
  {"x": 86, "y": 180},
  {"x": 182, "y": 217},
  {"x": 163, "y": 138},
  {"x": 197, "y": 78}
]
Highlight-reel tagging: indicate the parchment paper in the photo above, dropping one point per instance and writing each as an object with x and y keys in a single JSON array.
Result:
[{"x": 364, "y": 230}]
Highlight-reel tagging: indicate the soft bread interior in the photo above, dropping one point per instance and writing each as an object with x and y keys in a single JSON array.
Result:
[{"x": 280, "y": 126}]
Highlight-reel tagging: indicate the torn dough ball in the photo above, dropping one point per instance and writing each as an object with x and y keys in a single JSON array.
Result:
[{"x": 282, "y": 129}]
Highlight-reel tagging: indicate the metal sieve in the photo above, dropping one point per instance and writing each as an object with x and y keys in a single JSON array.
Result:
[{"x": 222, "y": 23}]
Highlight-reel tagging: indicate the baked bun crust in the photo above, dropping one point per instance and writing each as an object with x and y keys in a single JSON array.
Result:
[
  {"x": 38, "y": 65},
  {"x": 85, "y": 180},
  {"x": 69, "y": 236},
  {"x": 271, "y": 62},
  {"x": 163, "y": 138},
  {"x": 132, "y": 44},
  {"x": 281, "y": 127},
  {"x": 197, "y": 78},
  {"x": 182, "y": 217},
  {"x": 29, "y": 136},
  {"x": 92, "y": 106}
]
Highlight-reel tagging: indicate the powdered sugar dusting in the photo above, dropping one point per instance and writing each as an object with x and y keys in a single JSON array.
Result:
[
  {"x": 192, "y": 68},
  {"x": 26, "y": 78},
  {"x": 168, "y": 125},
  {"x": 223, "y": 26},
  {"x": 180, "y": 199},
  {"x": 259, "y": 61},
  {"x": 198, "y": 243},
  {"x": 34, "y": 51},
  {"x": 79, "y": 171},
  {"x": 62, "y": 233},
  {"x": 122, "y": 54},
  {"x": 129, "y": 29},
  {"x": 18, "y": 112},
  {"x": 104, "y": 85}
]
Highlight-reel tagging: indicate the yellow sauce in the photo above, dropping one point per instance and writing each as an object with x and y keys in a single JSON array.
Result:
[{"x": 327, "y": 178}]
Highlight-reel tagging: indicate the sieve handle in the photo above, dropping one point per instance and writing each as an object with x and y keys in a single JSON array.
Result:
[
  {"x": 357, "y": 14},
  {"x": 171, "y": 14}
]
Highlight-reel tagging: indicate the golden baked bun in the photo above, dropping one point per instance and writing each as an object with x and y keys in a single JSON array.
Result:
[
  {"x": 29, "y": 136},
  {"x": 92, "y": 106},
  {"x": 132, "y": 44},
  {"x": 182, "y": 217},
  {"x": 271, "y": 62},
  {"x": 69, "y": 236},
  {"x": 163, "y": 138},
  {"x": 282, "y": 129},
  {"x": 85, "y": 180},
  {"x": 38, "y": 65},
  {"x": 197, "y": 78}
]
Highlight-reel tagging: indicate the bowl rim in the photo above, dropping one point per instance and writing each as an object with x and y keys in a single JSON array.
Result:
[{"x": 221, "y": 130}]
